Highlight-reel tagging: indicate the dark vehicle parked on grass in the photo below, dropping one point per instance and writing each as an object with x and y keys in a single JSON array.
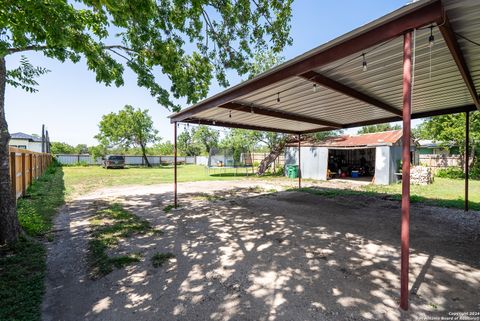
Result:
[{"x": 113, "y": 161}]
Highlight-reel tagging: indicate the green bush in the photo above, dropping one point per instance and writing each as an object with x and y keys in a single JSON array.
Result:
[
  {"x": 451, "y": 172},
  {"x": 474, "y": 172},
  {"x": 457, "y": 173}
]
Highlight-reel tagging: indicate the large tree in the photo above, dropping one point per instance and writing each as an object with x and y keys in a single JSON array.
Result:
[
  {"x": 206, "y": 136},
  {"x": 128, "y": 128},
  {"x": 187, "y": 146},
  {"x": 192, "y": 42},
  {"x": 449, "y": 131}
]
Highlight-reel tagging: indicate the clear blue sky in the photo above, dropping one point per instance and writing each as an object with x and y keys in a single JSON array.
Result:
[{"x": 71, "y": 103}]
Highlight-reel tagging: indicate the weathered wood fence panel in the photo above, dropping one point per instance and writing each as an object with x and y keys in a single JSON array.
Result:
[
  {"x": 441, "y": 161},
  {"x": 278, "y": 163},
  {"x": 25, "y": 167}
]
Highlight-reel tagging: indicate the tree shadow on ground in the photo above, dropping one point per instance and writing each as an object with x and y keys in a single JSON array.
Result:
[{"x": 278, "y": 256}]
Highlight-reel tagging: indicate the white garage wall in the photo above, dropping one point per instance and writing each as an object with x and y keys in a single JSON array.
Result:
[
  {"x": 314, "y": 161},
  {"x": 382, "y": 165}
]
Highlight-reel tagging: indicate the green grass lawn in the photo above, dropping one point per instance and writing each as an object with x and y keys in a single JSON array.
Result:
[
  {"x": 80, "y": 180},
  {"x": 22, "y": 265},
  {"x": 443, "y": 192}
]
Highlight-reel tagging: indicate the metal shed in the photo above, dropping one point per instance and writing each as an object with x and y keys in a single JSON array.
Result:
[
  {"x": 385, "y": 149},
  {"x": 418, "y": 61}
]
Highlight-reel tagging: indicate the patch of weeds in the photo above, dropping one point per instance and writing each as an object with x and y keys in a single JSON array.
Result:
[
  {"x": 22, "y": 271},
  {"x": 169, "y": 208},
  {"x": 23, "y": 264},
  {"x": 37, "y": 209},
  {"x": 158, "y": 259},
  {"x": 110, "y": 227},
  {"x": 272, "y": 190}
]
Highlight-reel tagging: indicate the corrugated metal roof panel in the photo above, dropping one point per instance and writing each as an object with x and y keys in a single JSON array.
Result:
[{"x": 438, "y": 84}]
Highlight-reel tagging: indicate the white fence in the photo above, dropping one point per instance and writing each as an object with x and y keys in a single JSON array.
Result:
[{"x": 76, "y": 159}]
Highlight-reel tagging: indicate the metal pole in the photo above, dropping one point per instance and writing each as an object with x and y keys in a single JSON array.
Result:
[
  {"x": 175, "y": 164},
  {"x": 299, "y": 164},
  {"x": 407, "y": 110},
  {"x": 467, "y": 152}
]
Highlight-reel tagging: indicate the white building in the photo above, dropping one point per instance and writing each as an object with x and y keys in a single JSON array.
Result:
[{"x": 25, "y": 141}]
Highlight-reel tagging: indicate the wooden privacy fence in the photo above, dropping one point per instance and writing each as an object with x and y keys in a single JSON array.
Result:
[
  {"x": 278, "y": 163},
  {"x": 25, "y": 167},
  {"x": 441, "y": 161}
]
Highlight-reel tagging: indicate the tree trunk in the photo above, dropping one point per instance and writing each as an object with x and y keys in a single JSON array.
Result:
[
  {"x": 9, "y": 226},
  {"x": 144, "y": 153},
  {"x": 272, "y": 156}
]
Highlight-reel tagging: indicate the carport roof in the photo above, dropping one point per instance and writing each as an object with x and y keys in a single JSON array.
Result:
[{"x": 327, "y": 88}]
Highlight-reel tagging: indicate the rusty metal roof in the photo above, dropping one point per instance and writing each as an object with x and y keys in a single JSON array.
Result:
[
  {"x": 386, "y": 138},
  {"x": 327, "y": 88}
]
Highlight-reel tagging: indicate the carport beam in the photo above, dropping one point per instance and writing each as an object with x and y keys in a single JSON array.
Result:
[
  {"x": 467, "y": 153},
  {"x": 407, "y": 111},
  {"x": 175, "y": 164},
  {"x": 299, "y": 163}
]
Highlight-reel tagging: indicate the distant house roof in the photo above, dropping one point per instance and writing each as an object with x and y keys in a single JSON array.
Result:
[
  {"x": 364, "y": 140},
  {"x": 427, "y": 143},
  {"x": 26, "y": 137}
]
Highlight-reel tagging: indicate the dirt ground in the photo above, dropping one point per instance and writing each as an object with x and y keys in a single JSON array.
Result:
[{"x": 250, "y": 254}]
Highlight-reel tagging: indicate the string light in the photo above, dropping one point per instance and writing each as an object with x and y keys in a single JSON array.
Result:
[
  {"x": 230, "y": 114},
  {"x": 213, "y": 122},
  {"x": 251, "y": 110},
  {"x": 364, "y": 62},
  {"x": 278, "y": 97},
  {"x": 431, "y": 39},
  {"x": 315, "y": 88},
  {"x": 431, "y": 42}
]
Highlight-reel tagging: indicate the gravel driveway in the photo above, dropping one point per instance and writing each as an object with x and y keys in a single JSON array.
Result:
[{"x": 255, "y": 254}]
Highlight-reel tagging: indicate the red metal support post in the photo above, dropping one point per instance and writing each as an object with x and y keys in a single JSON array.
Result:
[
  {"x": 175, "y": 164},
  {"x": 407, "y": 111},
  {"x": 299, "y": 163},
  {"x": 467, "y": 153}
]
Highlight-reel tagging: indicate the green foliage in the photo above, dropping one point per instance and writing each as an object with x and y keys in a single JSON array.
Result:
[
  {"x": 150, "y": 35},
  {"x": 22, "y": 271},
  {"x": 24, "y": 75},
  {"x": 61, "y": 148},
  {"x": 457, "y": 173},
  {"x": 97, "y": 151},
  {"x": 158, "y": 259},
  {"x": 449, "y": 130},
  {"x": 378, "y": 128},
  {"x": 324, "y": 135},
  {"x": 127, "y": 128},
  {"x": 110, "y": 227},
  {"x": 162, "y": 148},
  {"x": 81, "y": 149},
  {"x": 264, "y": 61},
  {"x": 22, "y": 264},
  {"x": 241, "y": 139},
  {"x": 186, "y": 145},
  {"x": 205, "y": 136},
  {"x": 37, "y": 209},
  {"x": 450, "y": 172},
  {"x": 168, "y": 208}
]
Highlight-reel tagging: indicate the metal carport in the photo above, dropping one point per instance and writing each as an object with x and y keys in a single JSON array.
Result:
[{"x": 415, "y": 62}]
